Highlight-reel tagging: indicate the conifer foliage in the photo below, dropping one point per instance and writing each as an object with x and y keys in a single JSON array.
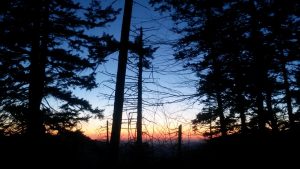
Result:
[
  {"x": 246, "y": 55},
  {"x": 48, "y": 48}
]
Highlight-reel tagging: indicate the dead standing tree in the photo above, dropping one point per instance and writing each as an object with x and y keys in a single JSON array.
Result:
[
  {"x": 179, "y": 141},
  {"x": 139, "y": 140},
  {"x": 120, "y": 83}
]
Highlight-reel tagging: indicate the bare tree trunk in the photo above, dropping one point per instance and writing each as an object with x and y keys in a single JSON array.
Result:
[
  {"x": 119, "y": 92},
  {"x": 140, "y": 90},
  {"x": 107, "y": 135},
  {"x": 179, "y": 140}
]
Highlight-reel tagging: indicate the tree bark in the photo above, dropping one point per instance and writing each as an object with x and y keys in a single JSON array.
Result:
[{"x": 119, "y": 92}]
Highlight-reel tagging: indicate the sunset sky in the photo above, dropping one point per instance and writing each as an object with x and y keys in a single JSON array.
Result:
[
  {"x": 182, "y": 84},
  {"x": 160, "y": 121}
]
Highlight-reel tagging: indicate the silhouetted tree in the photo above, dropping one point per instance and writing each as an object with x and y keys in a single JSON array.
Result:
[
  {"x": 283, "y": 27},
  {"x": 120, "y": 82},
  {"x": 244, "y": 53},
  {"x": 142, "y": 55},
  {"x": 47, "y": 50},
  {"x": 139, "y": 134}
]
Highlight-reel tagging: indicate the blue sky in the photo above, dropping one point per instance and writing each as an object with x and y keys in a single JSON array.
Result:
[{"x": 159, "y": 119}]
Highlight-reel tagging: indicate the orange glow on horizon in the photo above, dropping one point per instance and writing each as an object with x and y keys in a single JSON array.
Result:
[
  {"x": 158, "y": 125},
  {"x": 159, "y": 134}
]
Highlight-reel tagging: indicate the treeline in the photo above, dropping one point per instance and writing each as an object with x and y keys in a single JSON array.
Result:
[{"x": 246, "y": 55}]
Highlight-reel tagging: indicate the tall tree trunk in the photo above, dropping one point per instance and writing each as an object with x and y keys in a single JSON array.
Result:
[
  {"x": 221, "y": 115},
  {"x": 140, "y": 90},
  {"x": 271, "y": 113},
  {"x": 119, "y": 92},
  {"x": 220, "y": 109},
  {"x": 258, "y": 70},
  {"x": 288, "y": 97},
  {"x": 260, "y": 111},
  {"x": 241, "y": 110},
  {"x": 240, "y": 99},
  {"x": 38, "y": 58}
]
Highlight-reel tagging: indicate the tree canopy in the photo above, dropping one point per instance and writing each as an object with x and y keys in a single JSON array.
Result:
[
  {"x": 246, "y": 55},
  {"x": 47, "y": 49}
]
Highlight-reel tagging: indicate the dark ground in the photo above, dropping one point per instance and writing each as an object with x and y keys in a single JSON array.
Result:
[{"x": 75, "y": 151}]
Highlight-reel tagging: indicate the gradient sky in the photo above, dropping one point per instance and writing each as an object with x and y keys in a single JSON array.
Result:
[{"x": 161, "y": 121}]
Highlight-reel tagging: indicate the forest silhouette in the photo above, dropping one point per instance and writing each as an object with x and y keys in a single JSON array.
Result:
[{"x": 245, "y": 56}]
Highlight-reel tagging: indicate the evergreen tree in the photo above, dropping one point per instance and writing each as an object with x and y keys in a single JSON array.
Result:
[
  {"x": 46, "y": 51},
  {"x": 249, "y": 50}
]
